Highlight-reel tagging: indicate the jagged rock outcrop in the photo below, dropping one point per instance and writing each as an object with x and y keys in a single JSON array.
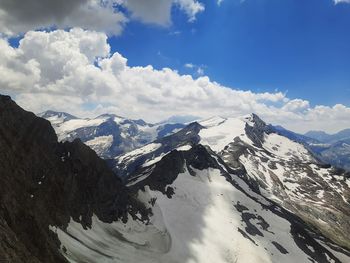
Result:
[{"x": 45, "y": 183}]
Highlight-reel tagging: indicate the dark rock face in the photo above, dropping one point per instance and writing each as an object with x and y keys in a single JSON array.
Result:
[
  {"x": 43, "y": 183},
  {"x": 165, "y": 172},
  {"x": 257, "y": 130},
  {"x": 168, "y": 129},
  {"x": 335, "y": 206},
  {"x": 109, "y": 127},
  {"x": 188, "y": 135}
]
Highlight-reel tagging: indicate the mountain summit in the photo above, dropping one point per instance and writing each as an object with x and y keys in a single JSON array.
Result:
[{"x": 219, "y": 190}]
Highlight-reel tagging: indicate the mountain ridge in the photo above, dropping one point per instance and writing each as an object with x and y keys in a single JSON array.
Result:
[
  {"x": 46, "y": 183},
  {"x": 223, "y": 190},
  {"x": 254, "y": 140},
  {"x": 109, "y": 134}
]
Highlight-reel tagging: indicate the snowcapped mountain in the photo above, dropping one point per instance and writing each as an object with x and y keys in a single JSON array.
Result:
[
  {"x": 108, "y": 135},
  {"x": 221, "y": 190},
  {"x": 254, "y": 195}
]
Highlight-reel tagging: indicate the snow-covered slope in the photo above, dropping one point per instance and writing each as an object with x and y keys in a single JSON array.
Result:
[
  {"x": 332, "y": 149},
  {"x": 109, "y": 135},
  {"x": 201, "y": 212},
  {"x": 286, "y": 172},
  {"x": 273, "y": 165},
  {"x": 222, "y": 190}
]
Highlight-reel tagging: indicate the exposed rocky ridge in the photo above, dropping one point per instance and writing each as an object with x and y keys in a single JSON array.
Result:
[
  {"x": 45, "y": 183},
  {"x": 257, "y": 130},
  {"x": 212, "y": 191},
  {"x": 162, "y": 176},
  {"x": 126, "y": 164},
  {"x": 165, "y": 172},
  {"x": 305, "y": 186}
]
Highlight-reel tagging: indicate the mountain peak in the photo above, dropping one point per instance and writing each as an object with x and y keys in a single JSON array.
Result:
[
  {"x": 4, "y": 98},
  {"x": 253, "y": 119}
]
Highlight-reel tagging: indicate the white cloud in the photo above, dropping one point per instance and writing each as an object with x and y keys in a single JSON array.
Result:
[
  {"x": 191, "y": 8},
  {"x": 198, "y": 70},
  {"x": 341, "y": 1},
  {"x": 17, "y": 16},
  {"x": 296, "y": 105},
  {"x": 189, "y": 65},
  {"x": 175, "y": 33},
  {"x": 74, "y": 71}
]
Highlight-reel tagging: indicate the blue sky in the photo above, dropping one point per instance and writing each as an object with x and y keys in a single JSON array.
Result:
[
  {"x": 298, "y": 47},
  {"x": 286, "y": 60}
]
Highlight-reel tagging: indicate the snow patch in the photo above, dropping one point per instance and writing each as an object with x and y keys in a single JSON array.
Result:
[
  {"x": 185, "y": 147},
  {"x": 220, "y": 132}
]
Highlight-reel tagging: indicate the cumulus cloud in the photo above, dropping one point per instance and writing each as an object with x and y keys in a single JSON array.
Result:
[
  {"x": 75, "y": 71},
  {"x": 18, "y": 16},
  {"x": 296, "y": 105}
]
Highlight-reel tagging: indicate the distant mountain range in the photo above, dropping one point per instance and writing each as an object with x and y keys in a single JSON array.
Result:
[
  {"x": 217, "y": 190},
  {"x": 108, "y": 134},
  {"x": 321, "y": 136},
  {"x": 111, "y": 135}
]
